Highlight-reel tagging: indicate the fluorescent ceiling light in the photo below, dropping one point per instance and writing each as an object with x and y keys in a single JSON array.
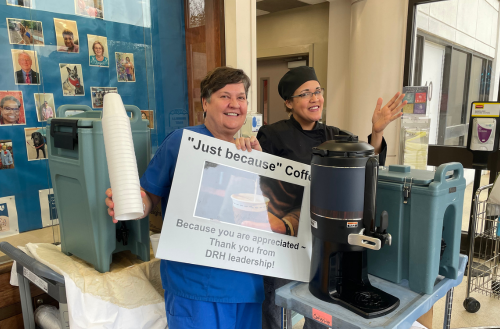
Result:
[{"x": 261, "y": 12}]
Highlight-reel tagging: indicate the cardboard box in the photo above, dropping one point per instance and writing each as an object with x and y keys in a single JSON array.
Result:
[{"x": 426, "y": 319}]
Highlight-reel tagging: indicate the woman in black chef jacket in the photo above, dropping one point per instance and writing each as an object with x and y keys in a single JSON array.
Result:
[{"x": 294, "y": 139}]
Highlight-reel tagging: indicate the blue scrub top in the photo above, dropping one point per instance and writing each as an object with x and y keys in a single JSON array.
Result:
[{"x": 188, "y": 280}]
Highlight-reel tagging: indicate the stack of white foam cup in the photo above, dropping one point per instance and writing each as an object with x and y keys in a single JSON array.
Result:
[{"x": 120, "y": 154}]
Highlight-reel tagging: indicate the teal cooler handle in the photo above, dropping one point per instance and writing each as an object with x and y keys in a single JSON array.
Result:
[
  {"x": 448, "y": 266},
  {"x": 458, "y": 173},
  {"x": 135, "y": 111},
  {"x": 61, "y": 110}
]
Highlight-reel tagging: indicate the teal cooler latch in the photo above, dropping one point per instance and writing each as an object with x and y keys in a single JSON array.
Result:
[{"x": 64, "y": 138}]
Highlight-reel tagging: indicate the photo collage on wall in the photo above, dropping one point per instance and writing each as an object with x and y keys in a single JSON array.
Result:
[
  {"x": 26, "y": 39},
  {"x": 26, "y": 70}
]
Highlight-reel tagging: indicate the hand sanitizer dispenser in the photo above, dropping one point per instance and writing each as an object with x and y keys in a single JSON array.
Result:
[{"x": 483, "y": 134}]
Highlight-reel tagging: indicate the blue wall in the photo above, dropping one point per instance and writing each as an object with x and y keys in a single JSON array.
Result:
[
  {"x": 169, "y": 51},
  {"x": 158, "y": 46}
]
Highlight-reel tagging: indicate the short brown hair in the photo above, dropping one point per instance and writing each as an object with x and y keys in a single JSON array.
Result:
[{"x": 219, "y": 78}]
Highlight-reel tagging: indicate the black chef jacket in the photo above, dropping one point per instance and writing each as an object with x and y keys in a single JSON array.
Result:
[{"x": 288, "y": 140}]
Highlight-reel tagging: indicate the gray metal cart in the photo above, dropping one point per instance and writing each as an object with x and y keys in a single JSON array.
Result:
[
  {"x": 296, "y": 296},
  {"x": 484, "y": 252},
  {"x": 29, "y": 269}
]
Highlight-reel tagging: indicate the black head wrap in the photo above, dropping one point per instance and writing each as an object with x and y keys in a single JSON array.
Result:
[{"x": 295, "y": 78}]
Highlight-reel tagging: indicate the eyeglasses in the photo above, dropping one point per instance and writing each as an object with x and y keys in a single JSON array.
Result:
[
  {"x": 308, "y": 95},
  {"x": 10, "y": 109}
]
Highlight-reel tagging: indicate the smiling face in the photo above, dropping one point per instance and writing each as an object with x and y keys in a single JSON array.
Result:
[
  {"x": 68, "y": 40},
  {"x": 226, "y": 111},
  {"x": 307, "y": 110},
  {"x": 98, "y": 49},
  {"x": 9, "y": 112},
  {"x": 24, "y": 61}
]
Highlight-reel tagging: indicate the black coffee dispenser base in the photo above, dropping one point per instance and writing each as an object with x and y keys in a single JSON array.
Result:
[
  {"x": 367, "y": 301},
  {"x": 340, "y": 277}
]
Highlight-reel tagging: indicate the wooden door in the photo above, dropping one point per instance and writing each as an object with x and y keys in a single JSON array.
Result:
[{"x": 205, "y": 49}]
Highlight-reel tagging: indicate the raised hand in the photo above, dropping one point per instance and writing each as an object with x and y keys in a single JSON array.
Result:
[{"x": 382, "y": 116}]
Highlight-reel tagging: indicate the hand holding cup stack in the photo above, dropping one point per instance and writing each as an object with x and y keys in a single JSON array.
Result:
[{"x": 120, "y": 155}]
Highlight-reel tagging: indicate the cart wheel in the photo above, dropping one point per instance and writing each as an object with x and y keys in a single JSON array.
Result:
[{"x": 471, "y": 305}]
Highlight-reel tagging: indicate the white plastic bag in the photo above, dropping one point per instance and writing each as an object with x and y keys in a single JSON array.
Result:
[{"x": 48, "y": 317}]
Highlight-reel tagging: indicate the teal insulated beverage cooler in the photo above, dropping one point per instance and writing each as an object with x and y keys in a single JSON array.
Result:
[
  {"x": 425, "y": 220},
  {"x": 79, "y": 174}
]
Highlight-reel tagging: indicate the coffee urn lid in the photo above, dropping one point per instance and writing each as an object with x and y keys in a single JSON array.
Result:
[{"x": 344, "y": 145}]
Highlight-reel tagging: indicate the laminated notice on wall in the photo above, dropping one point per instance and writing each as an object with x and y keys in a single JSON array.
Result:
[
  {"x": 416, "y": 98},
  {"x": 8, "y": 217},
  {"x": 415, "y": 148}
]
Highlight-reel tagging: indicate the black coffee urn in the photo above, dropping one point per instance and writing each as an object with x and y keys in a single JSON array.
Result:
[{"x": 343, "y": 189}]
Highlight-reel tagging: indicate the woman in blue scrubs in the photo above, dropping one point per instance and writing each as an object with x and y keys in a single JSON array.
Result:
[{"x": 199, "y": 296}]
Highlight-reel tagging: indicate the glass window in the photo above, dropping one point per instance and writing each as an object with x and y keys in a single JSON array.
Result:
[{"x": 450, "y": 134}]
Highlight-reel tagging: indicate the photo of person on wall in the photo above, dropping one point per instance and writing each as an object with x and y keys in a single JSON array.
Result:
[
  {"x": 148, "y": 115},
  {"x": 89, "y": 8},
  {"x": 98, "y": 51},
  {"x": 11, "y": 108},
  {"x": 25, "y": 32},
  {"x": 6, "y": 155},
  {"x": 45, "y": 107},
  {"x": 125, "y": 69},
  {"x": 25, "y": 67},
  {"x": 66, "y": 36}
]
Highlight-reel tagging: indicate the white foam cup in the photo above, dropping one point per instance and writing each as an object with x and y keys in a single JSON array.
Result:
[
  {"x": 124, "y": 193},
  {"x": 113, "y": 105},
  {"x": 130, "y": 204},
  {"x": 117, "y": 164},
  {"x": 155, "y": 239},
  {"x": 121, "y": 144},
  {"x": 128, "y": 215},
  {"x": 131, "y": 207},
  {"x": 250, "y": 207},
  {"x": 121, "y": 160},
  {"x": 124, "y": 171},
  {"x": 126, "y": 187}
]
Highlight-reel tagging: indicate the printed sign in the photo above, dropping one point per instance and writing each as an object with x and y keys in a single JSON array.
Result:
[
  {"x": 8, "y": 217},
  {"x": 322, "y": 317},
  {"x": 178, "y": 118},
  {"x": 417, "y": 100},
  {"x": 35, "y": 279},
  {"x": 246, "y": 211},
  {"x": 485, "y": 109},
  {"x": 48, "y": 207}
]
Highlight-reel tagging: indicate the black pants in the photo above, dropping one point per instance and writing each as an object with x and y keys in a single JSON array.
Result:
[{"x": 271, "y": 314}]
